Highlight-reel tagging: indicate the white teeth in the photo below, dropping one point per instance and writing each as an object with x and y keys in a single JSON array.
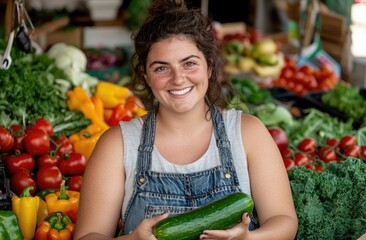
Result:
[{"x": 181, "y": 92}]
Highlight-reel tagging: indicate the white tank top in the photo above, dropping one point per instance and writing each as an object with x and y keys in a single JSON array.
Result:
[{"x": 131, "y": 138}]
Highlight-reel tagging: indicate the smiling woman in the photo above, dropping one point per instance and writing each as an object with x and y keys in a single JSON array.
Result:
[
  {"x": 177, "y": 78},
  {"x": 188, "y": 151}
]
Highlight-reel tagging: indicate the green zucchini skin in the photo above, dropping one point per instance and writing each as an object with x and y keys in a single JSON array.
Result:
[{"x": 221, "y": 214}]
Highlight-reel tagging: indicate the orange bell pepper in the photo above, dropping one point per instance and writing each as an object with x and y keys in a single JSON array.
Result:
[
  {"x": 84, "y": 141},
  {"x": 57, "y": 226}
]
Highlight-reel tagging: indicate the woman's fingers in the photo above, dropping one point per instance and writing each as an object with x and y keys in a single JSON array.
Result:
[{"x": 237, "y": 232}]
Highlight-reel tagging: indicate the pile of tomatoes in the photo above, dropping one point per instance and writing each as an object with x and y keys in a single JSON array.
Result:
[
  {"x": 311, "y": 155},
  {"x": 304, "y": 79},
  {"x": 34, "y": 156}
]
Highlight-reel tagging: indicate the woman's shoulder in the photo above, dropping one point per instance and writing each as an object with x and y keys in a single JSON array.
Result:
[{"x": 246, "y": 119}]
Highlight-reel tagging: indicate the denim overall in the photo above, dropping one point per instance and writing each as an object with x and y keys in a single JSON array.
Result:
[{"x": 157, "y": 192}]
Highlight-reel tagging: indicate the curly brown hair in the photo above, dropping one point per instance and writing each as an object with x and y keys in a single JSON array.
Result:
[{"x": 167, "y": 18}]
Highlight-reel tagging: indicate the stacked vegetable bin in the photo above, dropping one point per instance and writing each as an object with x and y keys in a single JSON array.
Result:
[
  {"x": 52, "y": 112},
  {"x": 319, "y": 125}
]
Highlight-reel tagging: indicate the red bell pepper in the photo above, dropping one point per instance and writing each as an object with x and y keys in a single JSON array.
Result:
[
  {"x": 120, "y": 113},
  {"x": 73, "y": 164}
]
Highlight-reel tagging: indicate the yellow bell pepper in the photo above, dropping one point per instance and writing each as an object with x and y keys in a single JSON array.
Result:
[
  {"x": 26, "y": 209},
  {"x": 80, "y": 100},
  {"x": 98, "y": 104},
  {"x": 107, "y": 113},
  {"x": 111, "y": 94},
  {"x": 63, "y": 200},
  {"x": 84, "y": 141},
  {"x": 42, "y": 211}
]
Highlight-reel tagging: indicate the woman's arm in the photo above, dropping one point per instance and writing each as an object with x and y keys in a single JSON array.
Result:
[
  {"x": 102, "y": 189},
  {"x": 270, "y": 186}
]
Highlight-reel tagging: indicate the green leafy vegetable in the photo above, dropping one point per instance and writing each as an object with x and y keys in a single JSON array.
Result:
[
  {"x": 347, "y": 100},
  {"x": 330, "y": 204},
  {"x": 318, "y": 125},
  {"x": 30, "y": 89}
]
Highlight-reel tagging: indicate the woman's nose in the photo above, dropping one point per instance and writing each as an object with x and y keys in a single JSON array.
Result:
[{"x": 179, "y": 76}]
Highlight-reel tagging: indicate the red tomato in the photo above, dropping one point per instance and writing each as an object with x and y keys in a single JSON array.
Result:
[
  {"x": 332, "y": 142},
  {"x": 286, "y": 153},
  {"x": 46, "y": 160},
  {"x": 62, "y": 146},
  {"x": 17, "y": 163},
  {"x": 352, "y": 151},
  {"x": 301, "y": 159},
  {"x": 16, "y": 128},
  {"x": 37, "y": 142},
  {"x": 6, "y": 140},
  {"x": 348, "y": 140},
  {"x": 310, "y": 82},
  {"x": 327, "y": 154},
  {"x": 279, "y": 136},
  {"x": 307, "y": 145},
  {"x": 287, "y": 73},
  {"x": 289, "y": 163},
  {"x": 307, "y": 69},
  {"x": 43, "y": 124},
  {"x": 75, "y": 183},
  {"x": 363, "y": 151},
  {"x": 73, "y": 164},
  {"x": 21, "y": 180},
  {"x": 49, "y": 178},
  {"x": 19, "y": 143},
  {"x": 318, "y": 167}
]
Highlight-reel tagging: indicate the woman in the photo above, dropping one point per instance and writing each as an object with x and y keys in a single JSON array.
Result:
[{"x": 188, "y": 151}]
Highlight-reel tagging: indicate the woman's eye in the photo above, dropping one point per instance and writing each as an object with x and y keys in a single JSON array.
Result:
[
  {"x": 189, "y": 64},
  {"x": 160, "y": 69}
]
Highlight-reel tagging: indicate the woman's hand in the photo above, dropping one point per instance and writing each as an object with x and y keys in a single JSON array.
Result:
[
  {"x": 239, "y": 231},
  {"x": 144, "y": 230}
]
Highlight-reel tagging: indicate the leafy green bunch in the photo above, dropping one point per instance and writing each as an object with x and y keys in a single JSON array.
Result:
[{"x": 330, "y": 204}]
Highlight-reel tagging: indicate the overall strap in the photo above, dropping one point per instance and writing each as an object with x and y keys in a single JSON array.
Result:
[
  {"x": 222, "y": 141},
  {"x": 146, "y": 147}
]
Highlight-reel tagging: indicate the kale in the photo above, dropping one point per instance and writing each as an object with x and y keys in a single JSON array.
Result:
[{"x": 330, "y": 204}]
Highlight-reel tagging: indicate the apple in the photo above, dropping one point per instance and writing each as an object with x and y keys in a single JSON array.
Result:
[{"x": 280, "y": 137}]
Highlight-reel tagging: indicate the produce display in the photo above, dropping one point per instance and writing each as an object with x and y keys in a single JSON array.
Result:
[
  {"x": 51, "y": 116},
  {"x": 261, "y": 57},
  {"x": 305, "y": 79},
  {"x": 52, "y": 113},
  {"x": 223, "y": 213}
]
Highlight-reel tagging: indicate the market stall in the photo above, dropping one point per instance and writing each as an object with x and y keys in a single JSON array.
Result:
[{"x": 55, "y": 104}]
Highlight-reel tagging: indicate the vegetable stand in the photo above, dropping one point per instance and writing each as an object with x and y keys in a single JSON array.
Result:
[{"x": 65, "y": 103}]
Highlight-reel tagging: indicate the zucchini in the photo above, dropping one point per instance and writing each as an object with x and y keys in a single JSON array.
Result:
[{"x": 223, "y": 213}]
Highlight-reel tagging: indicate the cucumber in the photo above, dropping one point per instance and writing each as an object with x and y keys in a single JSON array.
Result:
[{"x": 221, "y": 214}]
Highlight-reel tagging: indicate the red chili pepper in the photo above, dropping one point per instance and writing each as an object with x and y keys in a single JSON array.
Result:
[{"x": 73, "y": 164}]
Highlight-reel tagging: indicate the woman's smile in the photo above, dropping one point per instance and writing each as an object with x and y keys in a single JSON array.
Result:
[{"x": 180, "y": 92}]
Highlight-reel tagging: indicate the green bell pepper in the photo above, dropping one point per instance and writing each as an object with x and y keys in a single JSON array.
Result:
[{"x": 9, "y": 227}]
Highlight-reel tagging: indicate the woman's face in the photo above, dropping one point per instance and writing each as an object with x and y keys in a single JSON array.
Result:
[{"x": 177, "y": 73}]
